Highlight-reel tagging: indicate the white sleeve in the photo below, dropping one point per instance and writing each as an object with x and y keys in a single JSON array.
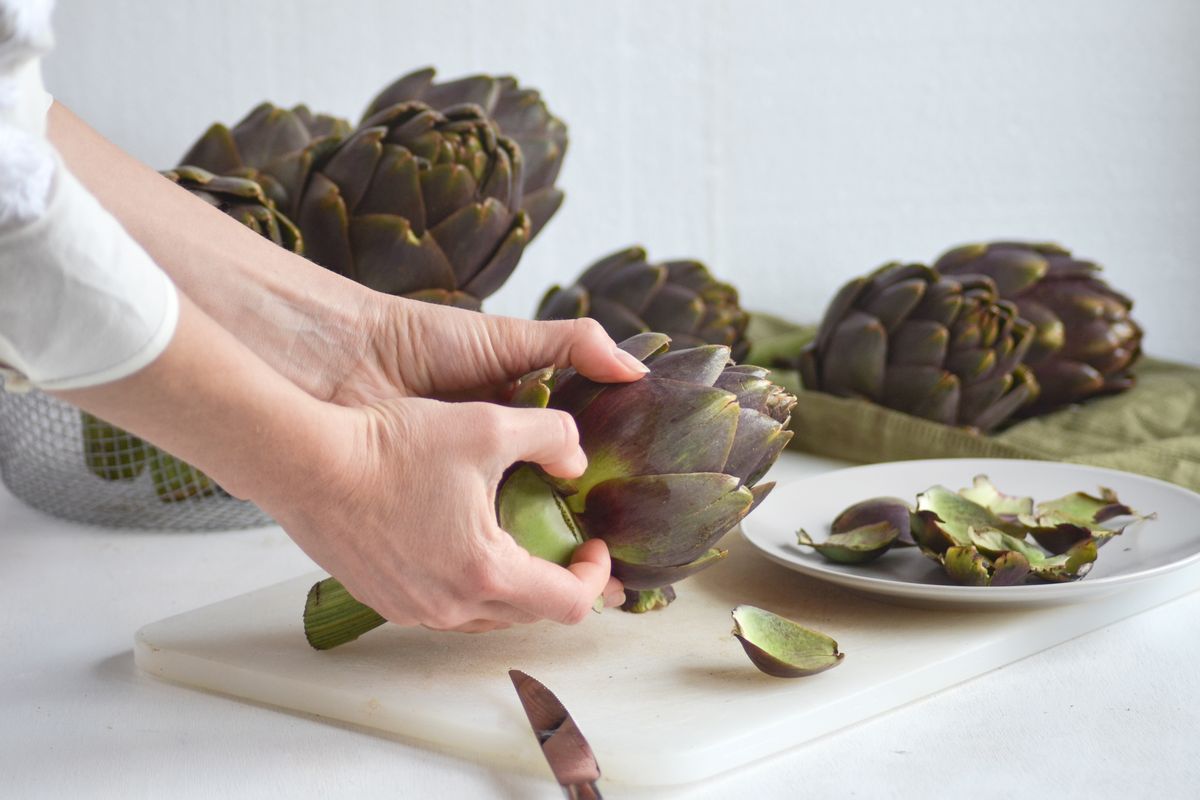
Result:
[{"x": 81, "y": 303}]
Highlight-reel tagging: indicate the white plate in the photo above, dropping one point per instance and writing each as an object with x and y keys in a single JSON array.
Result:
[{"x": 1146, "y": 549}]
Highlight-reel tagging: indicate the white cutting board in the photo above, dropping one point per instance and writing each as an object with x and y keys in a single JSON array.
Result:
[{"x": 666, "y": 697}]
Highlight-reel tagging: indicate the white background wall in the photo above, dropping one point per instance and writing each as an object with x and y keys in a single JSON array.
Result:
[{"x": 790, "y": 145}]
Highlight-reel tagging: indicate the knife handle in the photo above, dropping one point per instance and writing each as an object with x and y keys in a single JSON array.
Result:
[{"x": 582, "y": 791}]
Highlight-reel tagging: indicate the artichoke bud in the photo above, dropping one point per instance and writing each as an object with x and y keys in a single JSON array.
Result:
[
  {"x": 628, "y": 295},
  {"x": 529, "y": 132},
  {"x": 673, "y": 462},
  {"x": 243, "y": 199},
  {"x": 421, "y": 204},
  {"x": 946, "y": 349},
  {"x": 1084, "y": 342}
]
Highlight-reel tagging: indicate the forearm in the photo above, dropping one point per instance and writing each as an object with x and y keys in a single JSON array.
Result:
[
  {"x": 300, "y": 318},
  {"x": 210, "y": 401}
]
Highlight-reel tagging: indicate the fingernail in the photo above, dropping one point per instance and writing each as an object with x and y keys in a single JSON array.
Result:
[
  {"x": 630, "y": 362},
  {"x": 598, "y": 606}
]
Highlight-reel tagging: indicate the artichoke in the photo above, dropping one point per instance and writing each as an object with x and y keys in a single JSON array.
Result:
[
  {"x": 674, "y": 461},
  {"x": 243, "y": 199},
  {"x": 519, "y": 113},
  {"x": 419, "y": 203},
  {"x": 628, "y": 295},
  {"x": 673, "y": 458},
  {"x": 275, "y": 147},
  {"x": 946, "y": 349},
  {"x": 1085, "y": 341}
]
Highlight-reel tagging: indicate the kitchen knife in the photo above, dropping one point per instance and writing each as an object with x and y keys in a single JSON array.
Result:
[{"x": 562, "y": 742}]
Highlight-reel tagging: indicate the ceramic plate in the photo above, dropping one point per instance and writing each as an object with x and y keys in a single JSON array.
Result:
[{"x": 1146, "y": 549}]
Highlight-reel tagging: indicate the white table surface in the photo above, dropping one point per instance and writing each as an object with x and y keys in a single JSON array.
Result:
[{"x": 1115, "y": 713}]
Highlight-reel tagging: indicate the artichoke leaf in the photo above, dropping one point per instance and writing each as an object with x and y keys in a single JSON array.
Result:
[
  {"x": 983, "y": 492},
  {"x": 955, "y": 515},
  {"x": 664, "y": 520},
  {"x": 967, "y": 566},
  {"x": 877, "y": 509},
  {"x": 783, "y": 648},
  {"x": 857, "y": 546}
]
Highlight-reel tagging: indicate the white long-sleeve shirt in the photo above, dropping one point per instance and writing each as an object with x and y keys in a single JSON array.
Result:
[{"x": 81, "y": 303}]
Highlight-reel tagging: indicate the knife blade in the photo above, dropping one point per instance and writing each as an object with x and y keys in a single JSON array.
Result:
[{"x": 567, "y": 751}]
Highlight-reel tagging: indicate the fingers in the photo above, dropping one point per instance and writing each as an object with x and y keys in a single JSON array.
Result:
[
  {"x": 563, "y": 595},
  {"x": 523, "y": 346},
  {"x": 614, "y": 593},
  {"x": 544, "y": 436}
]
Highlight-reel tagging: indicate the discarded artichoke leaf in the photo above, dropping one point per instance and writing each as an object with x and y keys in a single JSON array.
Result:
[
  {"x": 1059, "y": 537},
  {"x": 1060, "y": 524},
  {"x": 781, "y": 647},
  {"x": 930, "y": 535},
  {"x": 1084, "y": 509},
  {"x": 966, "y": 565},
  {"x": 950, "y": 519},
  {"x": 1068, "y": 566},
  {"x": 878, "y": 509},
  {"x": 1009, "y": 569},
  {"x": 983, "y": 492},
  {"x": 857, "y": 546}
]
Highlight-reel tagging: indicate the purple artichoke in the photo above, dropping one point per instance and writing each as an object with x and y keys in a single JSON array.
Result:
[
  {"x": 628, "y": 295},
  {"x": 1085, "y": 342},
  {"x": 946, "y": 349}
]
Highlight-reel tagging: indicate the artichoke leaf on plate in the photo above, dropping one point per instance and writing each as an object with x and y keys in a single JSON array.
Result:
[{"x": 856, "y": 546}]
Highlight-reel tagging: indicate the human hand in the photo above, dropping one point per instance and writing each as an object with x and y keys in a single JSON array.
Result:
[
  {"x": 402, "y": 511},
  {"x": 414, "y": 349}
]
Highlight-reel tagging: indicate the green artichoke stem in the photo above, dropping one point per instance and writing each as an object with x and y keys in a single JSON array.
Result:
[
  {"x": 639, "y": 601},
  {"x": 333, "y": 617}
]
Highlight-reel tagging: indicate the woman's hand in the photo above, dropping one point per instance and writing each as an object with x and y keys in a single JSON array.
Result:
[
  {"x": 403, "y": 513},
  {"x": 415, "y": 349}
]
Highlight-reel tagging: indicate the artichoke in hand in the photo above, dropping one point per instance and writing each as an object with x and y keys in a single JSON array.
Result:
[
  {"x": 1085, "y": 341},
  {"x": 674, "y": 461},
  {"x": 628, "y": 295},
  {"x": 946, "y": 349}
]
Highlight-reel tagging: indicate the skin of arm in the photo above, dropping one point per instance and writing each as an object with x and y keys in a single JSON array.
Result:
[
  {"x": 300, "y": 318},
  {"x": 332, "y": 337},
  {"x": 396, "y": 499}
]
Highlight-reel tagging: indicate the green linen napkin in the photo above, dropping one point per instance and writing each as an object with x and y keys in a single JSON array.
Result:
[{"x": 1153, "y": 429}]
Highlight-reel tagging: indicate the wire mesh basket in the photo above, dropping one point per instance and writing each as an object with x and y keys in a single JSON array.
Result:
[{"x": 73, "y": 465}]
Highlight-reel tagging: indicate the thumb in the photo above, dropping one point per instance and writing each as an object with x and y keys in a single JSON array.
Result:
[
  {"x": 525, "y": 345},
  {"x": 544, "y": 436}
]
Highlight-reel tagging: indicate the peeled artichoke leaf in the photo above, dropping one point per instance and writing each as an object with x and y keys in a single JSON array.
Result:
[
  {"x": 781, "y": 647},
  {"x": 967, "y": 566},
  {"x": 1080, "y": 508},
  {"x": 857, "y": 546},
  {"x": 877, "y": 509},
  {"x": 1072, "y": 564},
  {"x": 955, "y": 515},
  {"x": 983, "y": 492}
]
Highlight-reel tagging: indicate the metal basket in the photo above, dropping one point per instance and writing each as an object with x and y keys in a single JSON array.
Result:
[{"x": 70, "y": 464}]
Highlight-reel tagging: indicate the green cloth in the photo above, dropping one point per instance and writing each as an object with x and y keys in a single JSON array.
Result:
[{"x": 1152, "y": 429}]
